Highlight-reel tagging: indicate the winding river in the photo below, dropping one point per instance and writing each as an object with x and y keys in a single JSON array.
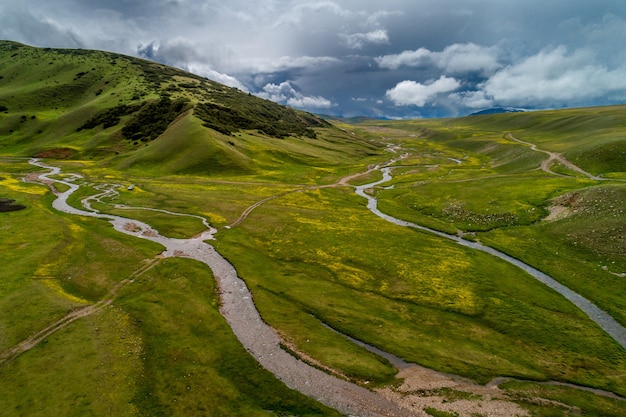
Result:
[
  {"x": 606, "y": 322},
  {"x": 239, "y": 310},
  {"x": 259, "y": 339}
]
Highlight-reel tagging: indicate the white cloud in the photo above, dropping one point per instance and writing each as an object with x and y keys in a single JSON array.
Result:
[
  {"x": 494, "y": 50},
  {"x": 472, "y": 99},
  {"x": 285, "y": 63},
  {"x": 408, "y": 93},
  {"x": 406, "y": 58},
  {"x": 286, "y": 93},
  {"x": 553, "y": 77},
  {"x": 309, "y": 102},
  {"x": 296, "y": 14},
  {"x": 375, "y": 18},
  {"x": 217, "y": 76},
  {"x": 454, "y": 59},
  {"x": 30, "y": 27},
  {"x": 358, "y": 40},
  {"x": 467, "y": 57}
]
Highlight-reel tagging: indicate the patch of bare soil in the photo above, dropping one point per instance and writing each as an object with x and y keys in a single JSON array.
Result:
[
  {"x": 564, "y": 206},
  {"x": 424, "y": 388},
  {"x": 56, "y": 153},
  {"x": 150, "y": 233},
  {"x": 557, "y": 213},
  {"x": 132, "y": 227}
]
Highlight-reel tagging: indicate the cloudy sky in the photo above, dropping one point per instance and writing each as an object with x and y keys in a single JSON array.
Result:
[{"x": 391, "y": 58}]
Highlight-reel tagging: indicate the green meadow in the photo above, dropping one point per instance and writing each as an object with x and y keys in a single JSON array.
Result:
[{"x": 319, "y": 264}]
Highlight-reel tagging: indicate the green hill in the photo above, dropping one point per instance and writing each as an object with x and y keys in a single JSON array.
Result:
[{"x": 81, "y": 104}]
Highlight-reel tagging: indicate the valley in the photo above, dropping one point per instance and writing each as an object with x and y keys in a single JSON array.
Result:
[{"x": 143, "y": 331}]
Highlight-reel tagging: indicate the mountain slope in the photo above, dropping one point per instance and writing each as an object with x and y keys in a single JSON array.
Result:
[{"x": 96, "y": 105}]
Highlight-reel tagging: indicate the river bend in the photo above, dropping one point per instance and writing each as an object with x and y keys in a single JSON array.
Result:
[
  {"x": 605, "y": 321},
  {"x": 259, "y": 339},
  {"x": 237, "y": 307}
]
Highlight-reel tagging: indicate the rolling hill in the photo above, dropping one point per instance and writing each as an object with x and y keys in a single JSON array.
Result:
[{"x": 81, "y": 104}]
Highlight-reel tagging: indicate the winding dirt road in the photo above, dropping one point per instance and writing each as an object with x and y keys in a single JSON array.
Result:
[{"x": 555, "y": 156}]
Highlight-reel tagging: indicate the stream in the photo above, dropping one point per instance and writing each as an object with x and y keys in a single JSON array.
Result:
[
  {"x": 605, "y": 321},
  {"x": 237, "y": 307},
  {"x": 259, "y": 339}
]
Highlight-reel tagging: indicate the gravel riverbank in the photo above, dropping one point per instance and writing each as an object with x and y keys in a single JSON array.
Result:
[{"x": 240, "y": 312}]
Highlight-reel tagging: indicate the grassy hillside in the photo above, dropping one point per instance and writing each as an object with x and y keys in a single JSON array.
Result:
[
  {"x": 317, "y": 261},
  {"x": 81, "y": 104},
  {"x": 593, "y": 138}
]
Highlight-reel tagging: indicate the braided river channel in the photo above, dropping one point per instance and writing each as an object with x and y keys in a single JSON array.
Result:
[{"x": 258, "y": 338}]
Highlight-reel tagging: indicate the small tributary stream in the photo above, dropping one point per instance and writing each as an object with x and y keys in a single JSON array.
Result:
[
  {"x": 606, "y": 322},
  {"x": 239, "y": 310}
]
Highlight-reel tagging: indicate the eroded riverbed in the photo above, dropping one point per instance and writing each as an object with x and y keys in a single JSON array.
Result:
[{"x": 241, "y": 314}]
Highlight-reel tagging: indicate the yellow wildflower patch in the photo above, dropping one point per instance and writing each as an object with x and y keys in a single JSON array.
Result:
[
  {"x": 47, "y": 272},
  {"x": 46, "y": 276},
  {"x": 53, "y": 284},
  {"x": 346, "y": 274},
  {"x": 23, "y": 187},
  {"x": 214, "y": 218}
]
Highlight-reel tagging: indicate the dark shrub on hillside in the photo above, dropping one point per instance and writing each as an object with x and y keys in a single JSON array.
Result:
[
  {"x": 110, "y": 117},
  {"x": 153, "y": 118},
  {"x": 233, "y": 114},
  {"x": 7, "y": 205}
]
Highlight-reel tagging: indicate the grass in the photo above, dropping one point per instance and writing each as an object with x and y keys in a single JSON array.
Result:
[
  {"x": 149, "y": 356},
  {"x": 176, "y": 307},
  {"x": 569, "y": 131},
  {"x": 313, "y": 258},
  {"x": 107, "y": 348},
  {"x": 431, "y": 411},
  {"x": 504, "y": 209},
  {"x": 22, "y": 255},
  {"x": 130, "y": 359},
  {"x": 103, "y": 104},
  {"x": 408, "y": 293},
  {"x": 582, "y": 270},
  {"x": 563, "y": 401},
  {"x": 477, "y": 204}
]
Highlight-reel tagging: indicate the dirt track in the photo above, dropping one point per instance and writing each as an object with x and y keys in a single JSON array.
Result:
[
  {"x": 554, "y": 156},
  {"x": 75, "y": 314}
]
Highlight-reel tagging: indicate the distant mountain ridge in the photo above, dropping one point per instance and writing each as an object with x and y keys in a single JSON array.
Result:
[{"x": 496, "y": 110}]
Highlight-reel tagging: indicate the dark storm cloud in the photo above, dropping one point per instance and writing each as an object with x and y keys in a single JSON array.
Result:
[
  {"x": 399, "y": 58},
  {"x": 17, "y": 23}
]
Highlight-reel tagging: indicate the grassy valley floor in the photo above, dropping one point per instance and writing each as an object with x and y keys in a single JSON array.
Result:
[{"x": 547, "y": 188}]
